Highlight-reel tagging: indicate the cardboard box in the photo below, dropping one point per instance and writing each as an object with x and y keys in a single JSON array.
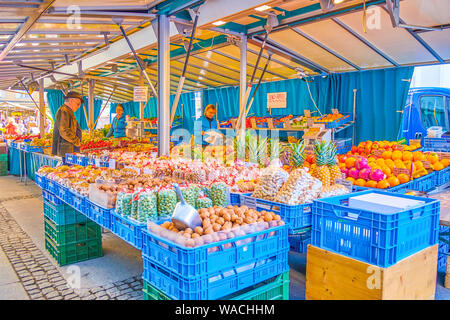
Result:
[{"x": 382, "y": 203}]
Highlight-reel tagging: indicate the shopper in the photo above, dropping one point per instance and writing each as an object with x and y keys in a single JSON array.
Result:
[
  {"x": 118, "y": 124},
  {"x": 208, "y": 122},
  {"x": 11, "y": 128},
  {"x": 67, "y": 131}
]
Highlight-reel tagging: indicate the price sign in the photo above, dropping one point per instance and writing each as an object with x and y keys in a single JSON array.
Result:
[
  {"x": 335, "y": 111},
  {"x": 307, "y": 113},
  {"x": 140, "y": 94},
  {"x": 398, "y": 171},
  {"x": 309, "y": 122},
  {"x": 270, "y": 123},
  {"x": 276, "y": 100},
  {"x": 345, "y": 183},
  {"x": 97, "y": 162},
  {"x": 414, "y": 141},
  {"x": 443, "y": 155},
  {"x": 253, "y": 123},
  {"x": 400, "y": 147},
  {"x": 287, "y": 124},
  {"x": 112, "y": 163}
]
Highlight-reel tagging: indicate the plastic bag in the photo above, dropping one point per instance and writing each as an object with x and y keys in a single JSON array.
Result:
[
  {"x": 147, "y": 206},
  {"x": 270, "y": 182},
  {"x": 134, "y": 205},
  {"x": 203, "y": 202},
  {"x": 299, "y": 188},
  {"x": 126, "y": 204},
  {"x": 119, "y": 202},
  {"x": 219, "y": 194},
  {"x": 167, "y": 200}
]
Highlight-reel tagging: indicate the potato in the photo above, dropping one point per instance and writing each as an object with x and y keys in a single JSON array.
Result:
[
  {"x": 199, "y": 230},
  {"x": 199, "y": 241},
  {"x": 206, "y": 238},
  {"x": 244, "y": 207},
  {"x": 230, "y": 235},
  {"x": 217, "y": 227},
  {"x": 268, "y": 217},
  {"x": 220, "y": 220},
  {"x": 188, "y": 230},
  {"x": 187, "y": 235},
  {"x": 229, "y": 207},
  {"x": 260, "y": 220},
  {"x": 190, "y": 243},
  {"x": 209, "y": 230},
  {"x": 195, "y": 235},
  {"x": 234, "y": 216},
  {"x": 222, "y": 236},
  {"x": 226, "y": 216},
  {"x": 235, "y": 225},
  {"x": 276, "y": 217},
  {"x": 239, "y": 221},
  {"x": 280, "y": 222},
  {"x": 206, "y": 223},
  {"x": 249, "y": 220}
]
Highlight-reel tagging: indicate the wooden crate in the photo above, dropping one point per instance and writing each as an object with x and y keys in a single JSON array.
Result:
[{"x": 331, "y": 276}]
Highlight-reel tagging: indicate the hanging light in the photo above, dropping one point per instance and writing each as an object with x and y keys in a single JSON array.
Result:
[
  {"x": 263, "y": 8},
  {"x": 219, "y": 23}
]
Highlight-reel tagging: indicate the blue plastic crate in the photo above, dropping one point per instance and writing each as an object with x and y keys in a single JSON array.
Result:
[
  {"x": 425, "y": 183},
  {"x": 50, "y": 197},
  {"x": 299, "y": 242},
  {"x": 70, "y": 158},
  {"x": 77, "y": 201},
  {"x": 442, "y": 177},
  {"x": 213, "y": 257},
  {"x": 334, "y": 124},
  {"x": 295, "y": 216},
  {"x": 217, "y": 284},
  {"x": 98, "y": 214},
  {"x": 128, "y": 229},
  {"x": 444, "y": 247},
  {"x": 235, "y": 198},
  {"x": 14, "y": 144},
  {"x": 437, "y": 144},
  {"x": 376, "y": 238},
  {"x": 80, "y": 160},
  {"x": 52, "y": 187},
  {"x": 41, "y": 181}
]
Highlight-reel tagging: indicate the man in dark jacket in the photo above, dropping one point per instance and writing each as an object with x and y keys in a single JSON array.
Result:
[{"x": 66, "y": 130}]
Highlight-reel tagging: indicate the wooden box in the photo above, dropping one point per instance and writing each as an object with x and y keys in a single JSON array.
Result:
[{"x": 331, "y": 276}]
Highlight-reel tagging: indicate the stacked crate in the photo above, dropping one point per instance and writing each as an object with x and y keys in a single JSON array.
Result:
[
  {"x": 366, "y": 254},
  {"x": 3, "y": 160},
  {"x": 249, "y": 267},
  {"x": 444, "y": 247},
  {"x": 69, "y": 235}
]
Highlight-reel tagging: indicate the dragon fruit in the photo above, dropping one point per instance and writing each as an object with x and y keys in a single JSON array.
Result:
[
  {"x": 377, "y": 175},
  {"x": 364, "y": 173},
  {"x": 361, "y": 163},
  {"x": 354, "y": 173},
  {"x": 344, "y": 170}
]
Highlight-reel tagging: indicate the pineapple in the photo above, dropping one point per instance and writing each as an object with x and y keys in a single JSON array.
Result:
[
  {"x": 297, "y": 156},
  {"x": 321, "y": 171},
  {"x": 335, "y": 172}
]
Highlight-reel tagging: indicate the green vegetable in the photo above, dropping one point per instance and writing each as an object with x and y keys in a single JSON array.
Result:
[
  {"x": 126, "y": 204},
  {"x": 147, "y": 207},
  {"x": 219, "y": 194},
  {"x": 203, "y": 203},
  {"x": 167, "y": 200}
]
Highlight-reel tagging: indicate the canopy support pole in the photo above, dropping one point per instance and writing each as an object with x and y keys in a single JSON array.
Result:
[
  {"x": 186, "y": 61},
  {"x": 42, "y": 118},
  {"x": 90, "y": 120},
  {"x": 163, "y": 86},
  {"x": 242, "y": 82}
]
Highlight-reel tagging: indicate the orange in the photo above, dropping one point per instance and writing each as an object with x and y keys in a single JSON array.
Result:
[
  {"x": 403, "y": 178},
  {"x": 371, "y": 159},
  {"x": 418, "y": 164},
  {"x": 418, "y": 156},
  {"x": 389, "y": 163},
  {"x": 407, "y": 156},
  {"x": 432, "y": 157},
  {"x": 380, "y": 162},
  {"x": 386, "y": 170},
  {"x": 350, "y": 179},
  {"x": 350, "y": 162},
  {"x": 397, "y": 155},
  {"x": 437, "y": 166},
  {"x": 387, "y": 154},
  {"x": 445, "y": 162},
  {"x": 383, "y": 184},
  {"x": 393, "y": 181},
  {"x": 341, "y": 165},
  {"x": 360, "y": 182},
  {"x": 371, "y": 184},
  {"x": 375, "y": 167}
]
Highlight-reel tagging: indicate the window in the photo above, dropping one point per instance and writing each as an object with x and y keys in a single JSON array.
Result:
[{"x": 434, "y": 112}]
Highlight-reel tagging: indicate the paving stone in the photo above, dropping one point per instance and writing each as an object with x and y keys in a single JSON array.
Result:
[
  {"x": 56, "y": 298},
  {"x": 127, "y": 291},
  {"x": 44, "y": 285},
  {"x": 52, "y": 294},
  {"x": 105, "y": 297},
  {"x": 36, "y": 296},
  {"x": 123, "y": 287}
]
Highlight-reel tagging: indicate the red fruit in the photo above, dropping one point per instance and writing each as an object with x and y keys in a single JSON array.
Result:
[
  {"x": 354, "y": 149},
  {"x": 360, "y": 150}
]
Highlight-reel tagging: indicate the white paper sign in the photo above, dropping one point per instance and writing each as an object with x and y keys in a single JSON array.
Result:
[
  {"x": 112, "y": 163},
  {"x": 97, "y": 162},
  {"x": 140, "y": 94},
  {"x": 276, "y": 100}
]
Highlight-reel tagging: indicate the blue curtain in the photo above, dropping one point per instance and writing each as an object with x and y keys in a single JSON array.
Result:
[
  {"x": 380, "y": 94},
  {"x": 186, "y": 109},
  {"x": 56, "y": 99}
]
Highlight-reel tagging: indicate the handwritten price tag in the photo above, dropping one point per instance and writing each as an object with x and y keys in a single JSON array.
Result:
[
  {"x": 398, "y": 171},
  {"x": 345, "y": 183},
  {"x": 400, "y": 147},
  {"x": 307, "y": 113},
  {"x": 426, "y": 164},
  {"x": 378, "y": 153},
  {"x": 443, "y": 155}
]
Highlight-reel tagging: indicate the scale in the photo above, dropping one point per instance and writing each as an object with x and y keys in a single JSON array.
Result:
[
  {"x": 316, "y": 132},
  {"x": 135, "y": 130}
]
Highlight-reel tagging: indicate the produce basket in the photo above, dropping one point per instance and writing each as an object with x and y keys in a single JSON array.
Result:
[
  {"x": 376, "y": 238},
  {"x": 62, "y": 214},
  {"x": 74, "y": 252},
  {"x": 76, "y": 201},
  {"x": 299, "y": 242},
  {"x": 128, "y": 229},
  {"x": 276, "y": 288},
  {"x": 216, "y": 256},
  {"x": 41, "y": 181},
  {"x": 425, "y": 183},
  {"x": 442, "y": 177},
  {"x": 235, "y": 198},
  {"x": 50, "y": 197},
  {"x": 437, "y": 144},
  {"x": 72, "y": 233},
  {"x": 98, "y": 214},
  {"x": 347, "y": 117}
]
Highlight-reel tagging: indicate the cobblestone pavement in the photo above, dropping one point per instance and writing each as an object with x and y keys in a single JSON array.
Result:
[{"x": 41, "y": 279}]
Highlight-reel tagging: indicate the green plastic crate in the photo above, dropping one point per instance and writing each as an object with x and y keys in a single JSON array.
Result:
[
  {"x": 276, "y": 288},
  {"x": 74, "y": 252},
  {"x": 4, "y": 157},
  {"x": 70, "y": 233},
  {"x": 62, "y": 214}
]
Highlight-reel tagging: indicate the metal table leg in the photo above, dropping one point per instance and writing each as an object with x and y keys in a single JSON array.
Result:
[
  {"x": 20, "y": 164},
  {"x": 25, "y": 166}
]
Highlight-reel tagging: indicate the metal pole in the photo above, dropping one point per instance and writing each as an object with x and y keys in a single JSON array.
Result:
[
  {"x": 163, "y": 86},
  {"x": 141, "y": 105},
  {"x": 138, "y": 61},
  {"x": 181, "y": 83},
  {"x": 354, "y": 116},
  {"x": 91, "y": 87},
  {"x": 42, "y": 117},
  {"x": 242, "y": 81}
]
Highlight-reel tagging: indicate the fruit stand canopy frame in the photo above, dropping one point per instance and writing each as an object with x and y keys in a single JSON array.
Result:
[{"x": 316, "y": 41}]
